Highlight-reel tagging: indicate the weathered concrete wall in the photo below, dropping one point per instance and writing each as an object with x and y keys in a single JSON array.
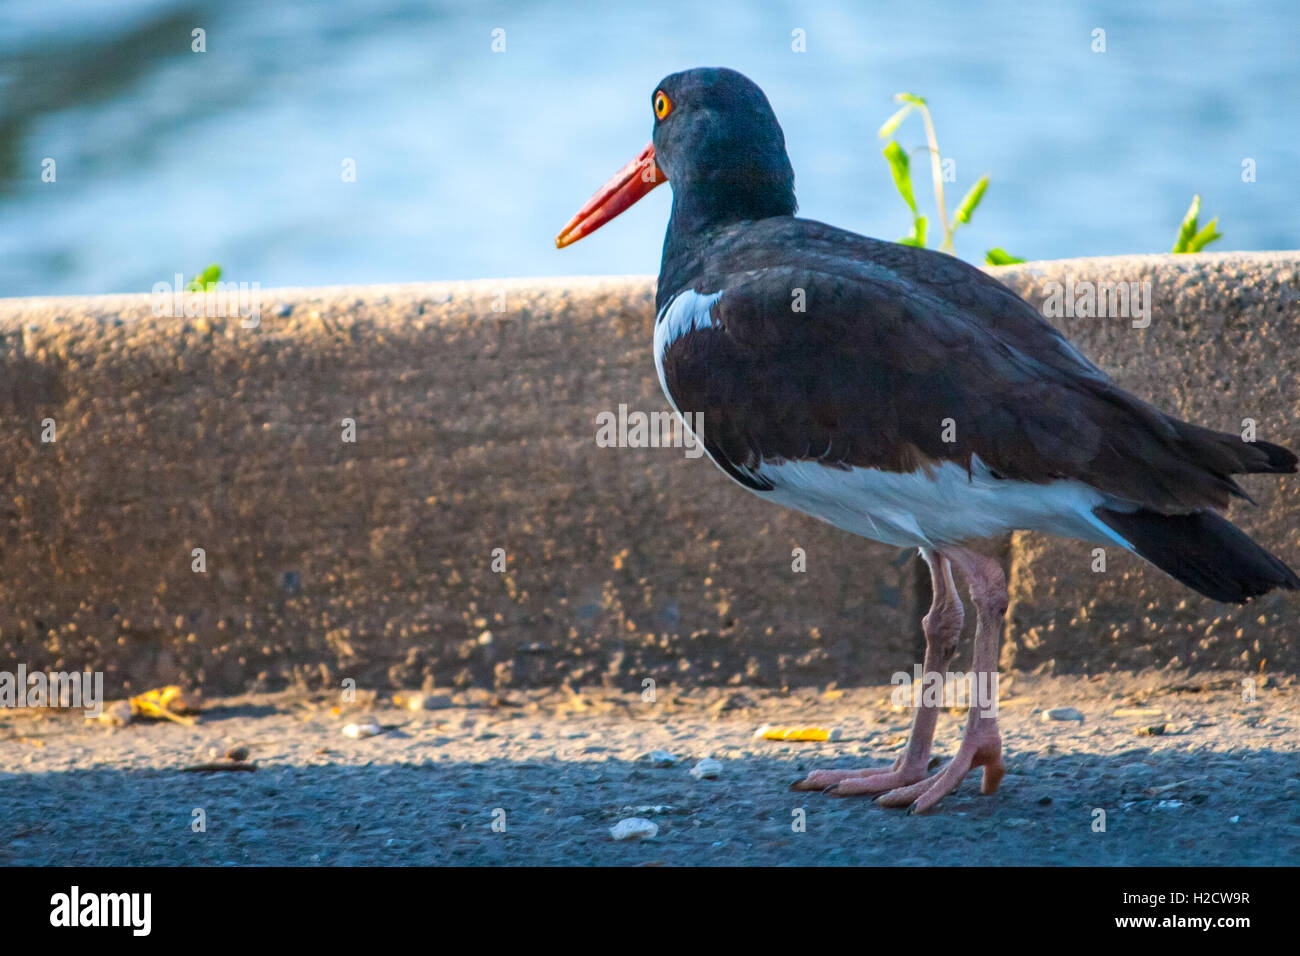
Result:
[
  {"x": 1223, "y": 346},
  {"x": 476, "y": 430}
]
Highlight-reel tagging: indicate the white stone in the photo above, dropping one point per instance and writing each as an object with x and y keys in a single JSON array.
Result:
[
  {"x": 1063, "y": 713},
  {"x": 365, "y": 728},
  {"x": 706, "y": 769},
  {"x": 634, "y": 828}
]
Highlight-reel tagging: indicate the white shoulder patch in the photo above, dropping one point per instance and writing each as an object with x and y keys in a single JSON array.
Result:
[{"x": 686, "y": 310}]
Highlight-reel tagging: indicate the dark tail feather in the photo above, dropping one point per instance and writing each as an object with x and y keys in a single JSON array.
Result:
[
  {"x": 1224, "y": 454},
  {"x": 1278, "y": 460},
  {"x": 1203, "y": 550}
]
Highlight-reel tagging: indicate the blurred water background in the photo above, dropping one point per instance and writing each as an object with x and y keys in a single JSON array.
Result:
[{"x": 469, "y": 161}]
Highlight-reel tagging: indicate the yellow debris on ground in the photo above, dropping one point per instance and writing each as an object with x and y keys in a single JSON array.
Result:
[
  {"x": 767, "y": 732},
  {"x": 166, "y": 703}
]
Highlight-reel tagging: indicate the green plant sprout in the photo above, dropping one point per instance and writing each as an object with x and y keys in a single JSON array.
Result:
[
  {"x": 900, "y": 167},
  {"x": 1189, "y": 238},
  {"x": 205, "y": 280},
  {"x": 997, "y": 256}
]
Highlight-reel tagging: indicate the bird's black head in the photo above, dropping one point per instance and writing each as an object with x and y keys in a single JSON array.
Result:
[{"x": 717, "y": 141}]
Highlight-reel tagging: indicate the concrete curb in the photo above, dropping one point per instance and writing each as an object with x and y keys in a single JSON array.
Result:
[{"x": 475, "y": 411}]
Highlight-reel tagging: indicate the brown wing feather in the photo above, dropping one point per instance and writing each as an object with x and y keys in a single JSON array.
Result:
[{"x": 889, "y": 348}]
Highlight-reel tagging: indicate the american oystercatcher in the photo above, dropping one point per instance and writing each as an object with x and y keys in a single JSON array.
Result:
[{"x": 907, "y": 397}]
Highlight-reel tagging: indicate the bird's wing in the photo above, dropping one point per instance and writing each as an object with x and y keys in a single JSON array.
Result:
[{"x": 869, "y": 367}]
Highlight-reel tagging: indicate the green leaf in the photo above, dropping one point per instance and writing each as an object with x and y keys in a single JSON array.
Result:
[
  {"x": 893, "y": 122},
  {"x": 972, "y": 199},
  {"x": 901, "y": 168},
  {"x": 1000, "y": 257},
  {"x": 1187, "y": 230},
  {"x": 1205, "y": 236},
  {"x": 205, "y": 280},
  {"x": 917, "y": 238}
]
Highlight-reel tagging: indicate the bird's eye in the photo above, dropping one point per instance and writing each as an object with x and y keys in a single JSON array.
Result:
[{"x": 663, "y": 105}]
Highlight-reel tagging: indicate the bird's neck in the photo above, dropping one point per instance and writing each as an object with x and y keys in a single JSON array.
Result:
[{"x": 701, "y": 211}]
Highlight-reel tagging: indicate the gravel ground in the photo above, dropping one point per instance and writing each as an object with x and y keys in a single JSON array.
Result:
[{"x": 559, "y": 768}]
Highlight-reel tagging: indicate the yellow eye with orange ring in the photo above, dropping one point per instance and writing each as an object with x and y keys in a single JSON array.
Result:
[{"x": 663, "y": 105}]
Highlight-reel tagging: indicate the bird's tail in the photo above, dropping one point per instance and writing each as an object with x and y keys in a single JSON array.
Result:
[
  {"x": 1225, "y": 454},
  {"x": 1203, "y": 550}
]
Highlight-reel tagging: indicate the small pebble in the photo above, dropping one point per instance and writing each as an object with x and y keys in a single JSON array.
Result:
[
  {"x": 706, "y": 769},
  {"x": 634, "y": 828},
  {"x": 117, "y": 715},
  {"x": 1155, "y": 730},
  {"x": 1063, "y": 713},
  {"x": 238, "y": 754},
  {"x": 362, "y": 729},
  {"x": 662, "y": 758}
]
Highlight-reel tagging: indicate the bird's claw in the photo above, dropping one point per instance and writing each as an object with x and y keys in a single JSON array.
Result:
[{"x": 908, "y": 786}]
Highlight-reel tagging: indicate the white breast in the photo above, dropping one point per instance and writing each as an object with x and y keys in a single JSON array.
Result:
[{"x": 945, "y": 506}]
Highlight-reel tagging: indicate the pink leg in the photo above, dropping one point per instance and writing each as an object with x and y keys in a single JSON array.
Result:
[
  {"x": 942, "y": 626},
  {"x": 982, "y": 745}
]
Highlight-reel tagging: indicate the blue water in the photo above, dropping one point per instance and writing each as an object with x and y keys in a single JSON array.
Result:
[{"x": 469, "y": 161}]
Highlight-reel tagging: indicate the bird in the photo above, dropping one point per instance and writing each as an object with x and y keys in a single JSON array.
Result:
[{"x": 908, "y": 397}]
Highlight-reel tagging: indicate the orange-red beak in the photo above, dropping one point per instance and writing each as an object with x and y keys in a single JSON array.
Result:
[{"x": 627, "y": 186}]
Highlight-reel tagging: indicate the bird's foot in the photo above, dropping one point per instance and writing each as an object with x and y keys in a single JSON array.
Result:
[
  {"x": 833, "y": 780},
  {"x": 888, "y": 781},
  {"x": 981, "y": 747}
]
